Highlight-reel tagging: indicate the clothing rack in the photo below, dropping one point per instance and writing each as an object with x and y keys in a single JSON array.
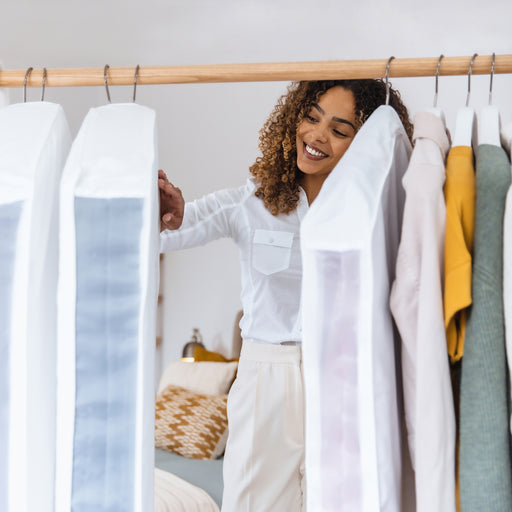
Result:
[{"x": 258, "y": 72}]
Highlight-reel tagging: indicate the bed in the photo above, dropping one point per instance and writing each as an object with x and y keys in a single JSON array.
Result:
[
  {"x": 191, "y": 430},
  {"x": 199, "y": 485}
]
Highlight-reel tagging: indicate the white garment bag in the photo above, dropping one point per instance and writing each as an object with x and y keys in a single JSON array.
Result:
[
  {"x": 349, "y": 244},
  {"x": 34, "y": 143},
  {"x": 107, "y": 298}
]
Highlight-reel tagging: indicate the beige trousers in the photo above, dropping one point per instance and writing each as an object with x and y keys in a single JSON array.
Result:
[{"x": 264, "y": 460}]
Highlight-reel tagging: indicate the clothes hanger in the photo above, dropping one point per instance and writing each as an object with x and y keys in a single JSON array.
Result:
[
  {"x": 489, "y": 119},
  {"x": 105, "y": 69},
  {"x": 465, "y": 126},
  {"x": 27, "y": 74},
  {"x": 29, "y": 70},
  {"x": 44, "y": 84},
  {"x": 135, "y": 82},
  {"x": 386, "y": 78},
  {"x": 434, "y": 109}
]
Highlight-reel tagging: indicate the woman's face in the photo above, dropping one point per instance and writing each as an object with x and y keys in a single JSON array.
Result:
[{"x": 326, "y": 132}]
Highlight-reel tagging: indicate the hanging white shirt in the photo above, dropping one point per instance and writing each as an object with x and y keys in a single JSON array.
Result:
[
  {"x": 349, "y": 243},
  {"x": 34, "y": 143},
  {"x": 270, "y": 258},
  {"x": 107, "y": 296},
  {"x": 417, "y": 306}
]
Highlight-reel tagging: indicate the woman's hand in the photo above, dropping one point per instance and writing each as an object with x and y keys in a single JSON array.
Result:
[{"x": 172, "y": 204}]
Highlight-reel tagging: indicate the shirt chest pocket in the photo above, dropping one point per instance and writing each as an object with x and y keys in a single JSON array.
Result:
[{"x": 271, "y": 250}]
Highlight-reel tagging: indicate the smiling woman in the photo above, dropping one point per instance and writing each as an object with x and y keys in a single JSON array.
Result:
[
  {"x": 338, "y": 106},
  {"x": 323, "y": 136},
  {"x": 306, "y": 135}
]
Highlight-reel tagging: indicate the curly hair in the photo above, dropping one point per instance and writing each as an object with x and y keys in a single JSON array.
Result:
[{"x": 275, "y": 172}]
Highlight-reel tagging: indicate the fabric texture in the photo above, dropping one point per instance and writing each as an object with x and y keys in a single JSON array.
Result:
[
  {"x": 265, "y": 413},
  {"x": 191, "y": 424},
  {"x": 106, "y": 352},
  {"x": 349, "y": 244},
  {"x": 207, "y": 377},
  {"x": 270, "y": 259},
  {"x": 417, "y": 306},
  {"x": 459, "y": 191},
  {"x": 485, "y": 466},
  {"x": 107, "y": 297}
]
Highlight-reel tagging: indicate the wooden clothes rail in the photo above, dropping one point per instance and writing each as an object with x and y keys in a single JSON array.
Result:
[{"x": 260, "y": 72}]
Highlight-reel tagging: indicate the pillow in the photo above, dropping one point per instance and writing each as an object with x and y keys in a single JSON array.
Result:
[
  {"x": 206, "y": 377},
  {"x": 201, "y": 354},
  {"x": 191, "y": 424}
]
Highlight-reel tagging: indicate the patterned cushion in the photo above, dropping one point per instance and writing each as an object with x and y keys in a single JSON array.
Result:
[{"x": 191, "y": 424}]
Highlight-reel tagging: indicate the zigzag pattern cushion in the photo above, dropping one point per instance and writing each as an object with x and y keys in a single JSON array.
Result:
[{"x": 191, "y": 424}]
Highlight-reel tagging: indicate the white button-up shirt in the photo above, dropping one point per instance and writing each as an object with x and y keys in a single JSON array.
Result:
[
  {"x": 270, "y": 256},
  {"x": 417, "y": 305}
]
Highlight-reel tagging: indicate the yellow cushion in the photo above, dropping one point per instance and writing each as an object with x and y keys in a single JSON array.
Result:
[{"x": 201, "y": 354}]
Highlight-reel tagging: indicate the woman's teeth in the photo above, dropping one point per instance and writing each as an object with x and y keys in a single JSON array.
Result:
[{"x": 313, "y": 151}]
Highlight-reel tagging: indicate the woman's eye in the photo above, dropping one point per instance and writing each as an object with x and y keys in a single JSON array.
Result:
[
  {"x": 340, "y": 134},
  {"x": 311, "y": 119}
]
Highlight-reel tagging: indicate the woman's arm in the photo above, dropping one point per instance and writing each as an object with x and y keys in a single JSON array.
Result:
[{"x": 198, "y": 222}]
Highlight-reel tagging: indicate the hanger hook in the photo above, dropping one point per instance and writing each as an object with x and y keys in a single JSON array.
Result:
[
  {"x": 106, "y": 83},
  {"x": 135, "y": 82},
  {"x": 387, "y": 79},
  {"x": 437, "y": 79},
  {"x": 29, "y": 70},
  {"x": 44, "y": 84},
  {"x": 469, "y": 77},
  {"x": 492, "y": 75}
]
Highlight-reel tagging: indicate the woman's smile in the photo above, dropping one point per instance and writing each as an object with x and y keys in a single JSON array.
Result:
[{"x": 313, "y": 153}]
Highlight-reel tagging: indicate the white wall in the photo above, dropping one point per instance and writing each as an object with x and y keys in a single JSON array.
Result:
[{"x": 209, "y": 132}]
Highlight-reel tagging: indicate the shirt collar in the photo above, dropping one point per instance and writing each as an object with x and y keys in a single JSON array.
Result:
[{"x": 302, "y": 205}]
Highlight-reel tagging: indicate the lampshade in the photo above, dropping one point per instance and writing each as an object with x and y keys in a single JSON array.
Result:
[
  {"x": 189, "y": 350},
  {"x": 190, "y": 347}
]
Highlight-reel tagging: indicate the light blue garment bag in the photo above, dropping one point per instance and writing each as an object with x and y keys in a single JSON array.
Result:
[
  {"x": 107, "y": 299},
  {"x": 107, "y": 325}
]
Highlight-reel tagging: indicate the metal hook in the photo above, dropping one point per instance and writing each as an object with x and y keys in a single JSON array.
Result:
[
  {"x": 44, "y": 84},
  {"x": 29, "y": 70},
  {"x": 437, "y": 79},
  {"x": 135, "y": 82},
  {"x": 106, "y": 84},
  {"x": 492, "y": 75},
  {"x": 387, "y": 81},
  {"x": 469, "y": 77}
]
